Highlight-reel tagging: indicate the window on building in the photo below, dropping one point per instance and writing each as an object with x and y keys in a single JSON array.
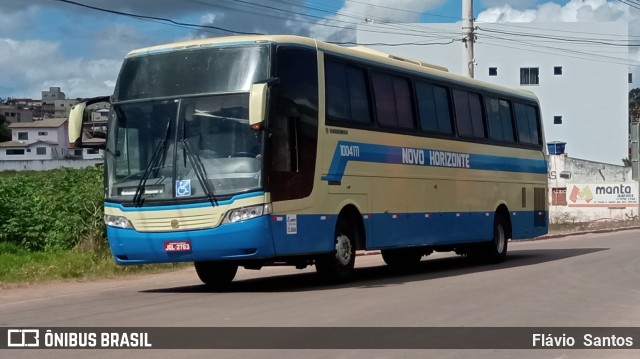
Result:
[
  {"x": 493, "y": 71},
  {"x": 529, "y": 76},
  {"x": 43, "y": 133},
  {"x": 41, "y": 150},
  {"x": 14, "y": 152},
  {"x": 77, "y": 152},
  {"x": 23, "y": 136},
  {"x": 630, "y": 78},
  {"x": 557, "y": 120},
  {"x": 92, "y": 151},
  {"x": 557, "y": 70},
  {"x": 559, "y": 196}
]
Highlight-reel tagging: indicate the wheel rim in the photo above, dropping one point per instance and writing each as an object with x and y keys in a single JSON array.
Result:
[
  {"x": 343, "y": 249},
  {"x": 500, "y": 238}
]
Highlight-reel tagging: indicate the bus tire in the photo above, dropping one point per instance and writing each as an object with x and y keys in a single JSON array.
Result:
[
  {"x": 216, "y": 275},
  {"x": 405, "y": 258},
  {"x": 496, "y": 250},
  {"x": 338, "y": 266}
]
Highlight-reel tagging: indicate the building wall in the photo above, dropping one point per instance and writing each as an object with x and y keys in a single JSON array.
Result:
[
  {"x": 16, "y": 114},
  {"x": 54, "y": 93},
  {"x": 577, "y": 191},
  {"x": 39, "y": 165},
  {"x": 591, "y": 96},
  {"x": 63, "y": 107}
]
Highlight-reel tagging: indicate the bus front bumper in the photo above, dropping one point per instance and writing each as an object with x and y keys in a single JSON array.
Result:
[{"x": 250, "y": 239}]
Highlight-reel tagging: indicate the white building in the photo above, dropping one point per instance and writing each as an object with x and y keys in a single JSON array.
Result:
[
  {"x": 584, "y": 98},
  {"x": 38, "y": 140}
]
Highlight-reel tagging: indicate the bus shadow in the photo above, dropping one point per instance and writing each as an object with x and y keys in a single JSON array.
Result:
[{"x": 383, "y": 275}]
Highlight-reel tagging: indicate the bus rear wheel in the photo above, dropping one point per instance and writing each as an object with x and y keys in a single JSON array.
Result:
[
  {"x": 216, "y": 275},
  {"x": 338, "y": 266},
  {"x": 494, "y": 251},
  {"x": 497, "y": 249}
]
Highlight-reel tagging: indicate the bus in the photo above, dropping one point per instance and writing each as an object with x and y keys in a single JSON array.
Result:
[{"x": 255, "y": 151}]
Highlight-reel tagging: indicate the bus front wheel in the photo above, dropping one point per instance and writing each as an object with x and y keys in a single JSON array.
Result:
[
  {"x": 216, "y": 275},
  {"x": 339, "y": 265}
]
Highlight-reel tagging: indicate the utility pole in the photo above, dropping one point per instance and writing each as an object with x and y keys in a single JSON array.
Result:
[{"x": 468, "y": 38}]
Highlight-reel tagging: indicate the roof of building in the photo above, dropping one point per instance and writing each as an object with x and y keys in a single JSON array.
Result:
[{"x": 46, "y": 123}]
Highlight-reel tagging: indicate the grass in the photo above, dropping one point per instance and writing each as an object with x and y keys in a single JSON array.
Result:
[{"x": 21, "y": 267}]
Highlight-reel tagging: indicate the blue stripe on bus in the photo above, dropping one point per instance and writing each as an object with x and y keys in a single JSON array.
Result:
[
  {"x": 365, "y": 152},
  {"x": 272, "y": 236},
  {"x": 205, "y": 203}
]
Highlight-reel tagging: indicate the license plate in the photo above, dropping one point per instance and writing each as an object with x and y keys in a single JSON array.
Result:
[{"x": 180, "y": 246}]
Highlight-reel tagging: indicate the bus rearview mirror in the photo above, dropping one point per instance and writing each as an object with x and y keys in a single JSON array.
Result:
[{"x": 257, "y": 104}]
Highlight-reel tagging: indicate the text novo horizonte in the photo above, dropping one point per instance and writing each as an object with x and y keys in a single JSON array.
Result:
[{"x": 415, "y": 156}]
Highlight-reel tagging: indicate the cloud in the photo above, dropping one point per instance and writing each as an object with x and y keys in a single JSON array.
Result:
[
  {"x": 572, "y": 11},
  {"x": 37, "y": 65},
  {"x": 340, "y": 27}
]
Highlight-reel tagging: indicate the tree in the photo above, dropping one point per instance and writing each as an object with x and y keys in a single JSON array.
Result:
[
  {"x": 634, "y": 105},
  {"x": 5, "y": 132}
]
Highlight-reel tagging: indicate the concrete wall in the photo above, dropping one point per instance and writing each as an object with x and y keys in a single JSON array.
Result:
[
  {"x": 44, "y": 165},
  {"x": 590, "y": 191}
]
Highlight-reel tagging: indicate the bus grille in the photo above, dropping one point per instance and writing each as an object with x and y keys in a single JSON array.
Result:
[{"x": 175, "y": 222}]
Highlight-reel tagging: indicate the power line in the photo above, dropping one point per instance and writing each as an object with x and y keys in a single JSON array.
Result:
[
  {"x": 167, "y": 21},
  {"x": 607, "y": 42},
  {"x": 155, "y": 18}
]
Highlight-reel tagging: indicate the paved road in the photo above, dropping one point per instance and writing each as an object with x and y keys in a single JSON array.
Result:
[{"x": 587, "y": 280}]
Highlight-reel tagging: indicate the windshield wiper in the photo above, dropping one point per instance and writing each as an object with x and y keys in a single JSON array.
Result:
[
  {"x": 155, "y": 158},
  {"x": 199, "y": 169}
]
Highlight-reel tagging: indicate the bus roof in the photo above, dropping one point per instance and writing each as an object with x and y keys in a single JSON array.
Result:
[{"x": 361, "y": 52}]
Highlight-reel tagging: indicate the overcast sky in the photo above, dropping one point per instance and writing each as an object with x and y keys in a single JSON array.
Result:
[{"x": 47, "y": 43}]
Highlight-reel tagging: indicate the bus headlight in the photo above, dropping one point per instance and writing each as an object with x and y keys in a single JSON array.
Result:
[
  {"x": 244, "y": 213},
  {"x": 117, "y": 221}
]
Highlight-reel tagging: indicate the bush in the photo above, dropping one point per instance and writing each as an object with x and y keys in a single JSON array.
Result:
[{"x": 52, "y": 210}]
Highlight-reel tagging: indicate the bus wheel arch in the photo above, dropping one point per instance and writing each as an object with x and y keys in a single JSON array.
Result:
[{"x": 348, "y": 237}]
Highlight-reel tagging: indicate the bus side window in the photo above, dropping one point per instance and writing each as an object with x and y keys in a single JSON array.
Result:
[
  {"x": 433, "y": 108},
  {"x": 468, "y": 114},
  {"x": 527, "y": 123},
  {"x": 393, "y": 101},
  {"x": 347, "y": 99},
  {"x": 499, "y": 119}
]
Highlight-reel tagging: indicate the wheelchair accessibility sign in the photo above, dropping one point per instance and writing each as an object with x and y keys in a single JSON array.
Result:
[{"x": 183, "y": 188}]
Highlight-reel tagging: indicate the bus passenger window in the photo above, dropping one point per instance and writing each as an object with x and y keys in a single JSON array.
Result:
[
  {"x": 468, "y": 114},
  {"x": 393, "y": 101},
  {"x": 527, "y": 124},
  {"x": 433, "y": 107},
  {"x": 499, "y": 119},
  {"x": 346, "y": 93}
]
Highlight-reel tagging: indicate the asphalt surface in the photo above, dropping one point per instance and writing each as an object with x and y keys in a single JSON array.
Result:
[{"x": 587, "y": 280}]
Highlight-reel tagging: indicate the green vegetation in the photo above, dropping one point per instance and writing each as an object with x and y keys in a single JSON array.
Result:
[{"x": 51, "y": 227}]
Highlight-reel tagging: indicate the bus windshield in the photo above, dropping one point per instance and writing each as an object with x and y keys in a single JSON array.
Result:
[
  {"x": 192, "y": 72},
  {"x": 190, "y": 140}
]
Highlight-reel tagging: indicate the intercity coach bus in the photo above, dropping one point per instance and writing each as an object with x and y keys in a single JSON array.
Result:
[{"x": 283, "y": 150}]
